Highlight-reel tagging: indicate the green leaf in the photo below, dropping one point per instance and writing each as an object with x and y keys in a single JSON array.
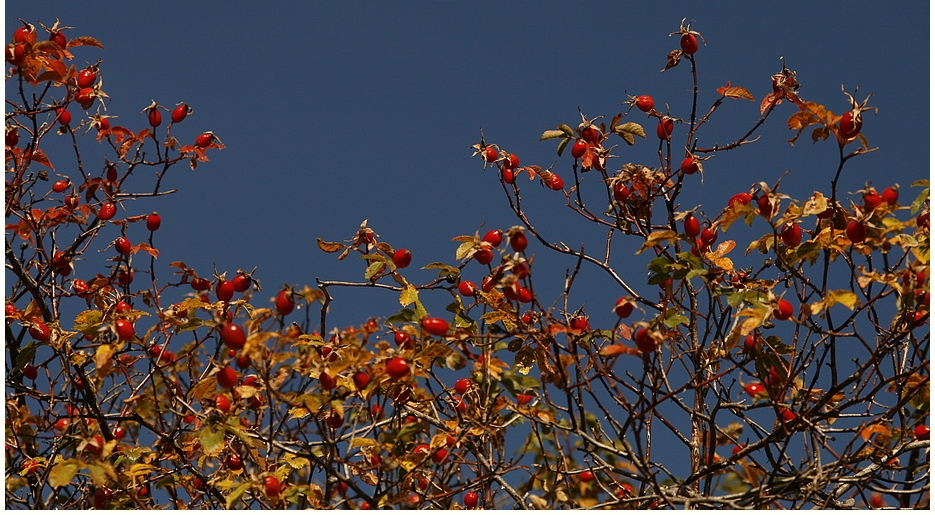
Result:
[
  {"x": 561, "y": 145},
  {"x": 464, "y": 249},
  {"x": 674, "y": 318},
  {"x": 567, "y": 130},
  {"x": 235, "y": 495},
  {"x": 87, "y": 320},
  {"x": 373, "y": 269},
  {"x": 406, "y": 315},
  {"x": 551, "y": 134},
  {"x": 212, "y": 441},
  {"x": 630, "y": 128}
]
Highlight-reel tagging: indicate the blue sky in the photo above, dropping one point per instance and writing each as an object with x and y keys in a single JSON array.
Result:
[{"x": 338, "y": 112}]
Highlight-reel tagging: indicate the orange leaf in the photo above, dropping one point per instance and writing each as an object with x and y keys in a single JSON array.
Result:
[
  {"x": 617, "y": 349},
  {"x": 38, "y": 156},
  {"x": 84, "y": 41},
  {"x": 145, "y": 247},
  {"x": 735, "y": 92},
  {"x": 867, "y": 432},
  {"x": 768, "y": 100}
]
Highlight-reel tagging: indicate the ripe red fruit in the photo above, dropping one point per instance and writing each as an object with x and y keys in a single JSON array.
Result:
[
  {"x": 85, "y": 96},
  {"x": 403, "y": 340},
  {"x": 783, "y": 310},
  {"x": 25, "y": 34},
  {"x": 523, "y": 399},
  {"x": 60, "y": 185},
  {"x": 742, "y": 198},
  {"x": 203, "y": 140},
  {"x": 86, "y": 78},
  {"x": 766, "y": 208},
  {"x": 155, "y": 117},
  {"x": 233, "y": 462},
  {"x": 435, "y": 326},
  {"x": 59, "y": 38},
  {"x": 71, "y": 201},
  {"x": 402, "y": 258},
  {"x": 491, "y": 154},
  {"x": 578, "y": 149},
  {"x": 554, "y": 182},
  {"x": 850, "y": 124},
  {"x": 467, "y": 288},
  {"x": 95, "y": 445},
  {"x": 518, "y": 241},
  {"x": 272, "y": 486},
  {"x": 580, "y": 323},
  {"x": 124, "y": 329},
  {"x": 749, "y": 343},
  {"x": 327, "y": 382},
  {"x": 30, "y": 467},
  {"x": 63, "y": 116},
  {"x": 30, "y": 371},
  {"x": 523, "y": 294},
  {"x": 40, "y": 332},
  {"x": 692, "y": 226},
  {"x": 397, "y": 368},
  {"x": 644, "y": 103},
  {"x": 872, "y": 199},
  {"x": 921, "y": 432},
  {"x": 664, "y": 128},
  {"x": 876, "y": 500},
  {"x": 284, "y": 302},
  {"x": 788, "y": 415},
  {"x": 222, "y": 403},
  {"x": 470, "y": 500},
  {"x": 200, "y": 284},
  {"x": 689, "y": 43},
  {"x": 153, "y": 221},
  {"x": 440, "y": 456},
  {"x": 494, "y": 237},
  {"x": 233, "y": 336},
  {"x": 224, "y": 290},
  {"x": 122, "y": 245},
  {"x": 586, "y": 476},
  {"x": 621, "y": 192},
  {"x": 754, "y": 389},
  {"x": 689, "y": 166},
  {"x": 243, "y": 361},
  {"x": 12, "y": 136},
  {"x": 708, "y": 236},
  {"x": 792, "y": 235},
  {"x": 644, "y": 341},
  {"x": 484, "y": 255},
  {"x": 107, "y": 211},
  {"x": 891, "y": 195},
  {"x": 856, "y": 231},
  {"x": 180, "y": 112},
  {"x": 241, "y": 283},
  {"x": 226, "y": 377},
  {"x": 590, "y": 134},
  {"x": 509, "y": 176},
  {"x": 361, "y": 380},
  {"x": 463, "y": 385},
  {"x": 623, "y": 308}
]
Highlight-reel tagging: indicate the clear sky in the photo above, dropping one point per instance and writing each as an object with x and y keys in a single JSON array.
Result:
[{"x": 336, "y": 112}]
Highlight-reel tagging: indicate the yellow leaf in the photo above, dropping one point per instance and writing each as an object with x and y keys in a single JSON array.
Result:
[
  {"x": 329, "y": 246},
  {"x": 296, "y": 462},
  {"x": 656, "y": 238},
  {"x": 363, "y": 442},
  {"x": 235, "y": 496},
  {"x": 735, "y": 92},
  {"x": 103, "y": 354},
  {"x": 408, "y": 295},
  {"x": 62, "y": 473}
]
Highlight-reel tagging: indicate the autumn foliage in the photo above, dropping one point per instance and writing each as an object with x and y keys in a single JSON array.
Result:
[{"x": 786, "y": 370}]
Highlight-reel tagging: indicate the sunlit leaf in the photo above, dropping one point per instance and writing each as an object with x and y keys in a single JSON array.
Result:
[
  {"x": 62, "y": 473},
  {"x": 329, "y": 246},
  {"x": 551, "y": 134},
  {"x": 735, "y": 92}
]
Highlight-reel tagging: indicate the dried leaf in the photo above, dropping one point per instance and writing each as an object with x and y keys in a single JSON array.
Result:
[
  {"x": 656, "y": 238},
  {"x": 735, "y": 92},
  {"x": 84, "y": 41},
  {"x": 329, "y": 246}
]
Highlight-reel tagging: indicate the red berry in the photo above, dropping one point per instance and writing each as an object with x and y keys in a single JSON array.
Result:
[
  {"x": 692, "y": 226},
  {"x": 783, "y": 310},
  {"x": 463, "y": 385},
  {"x": 470, "y": 500},
  {"x": 85, "y": 96},
  {"x": 12, "y": 136},
  {"x": 788, "y": 415},
  {"x": 484, "y": 255},
  {"x": 86, "y": 78},
  {"x": 440, "y": 456},
  {"x": 621, "y": 192},
  {"x": 59, "y": 38},
  {"x": 95, "y": 445},
  {"x": 155, "y": 117},
  {"x": 856, "y": 231},
  {"x": 586, "y": 476},
  {"x": 850, "y": 124},
  {"x": 512, "y": 161},
  {"x": 580, "y": 323},
  {"x": 107, "y": 211},
  {"x": 243, "y": 361},
  {"x": 623, "y": 308},
  {"x": 361, "y": 380},
  {"x": 689, "y": 43},
  {"x": 124, "y": 329},
  {"x": 11, "y": 310},
  {"x": 30, "y": 371},
  {"x": 664, "y": 128},
  {"x": 749, "y": 343},
  {"x": 891, "y": 195},
  {"x": 765, "y": 206},
  {"x": 491, "y": 154},
  {"x": 180, "y": 112},
  {"x": 60, "y": 185},
  {"x": 222, "y": 403},
  {"x": 590, "y": 134},
  {"x": 921, "y": 432},
  {"x": 200, "y": 284},
  {"x": 402, "y": 258},
  {"x": 397, "y": 368},
  {"x": 689, "y": 165},
  {"x": 518, "y": 241},
  {"x": 233, "y": 336},
  {"x": 509, "y": 176},
  {"x": 205, "y": 139},
  {"x": 876, "y": 500},
  {"x": 494, "y": 237},
  {"x": 872, "y": 199},
  {"x": 403, "y": 340},
  {"x": 644, "y": 103},
  {"x": 224, "y": 290},
  {"x": 435, "y": 326},
  {"x": 63, "y": 116},
  {"x": 284, "y": 302},
  {"x": 123, "y": 245},
  {"x": 241, "y": 283},
  {"x": 554, "y": 182},
  {"x": 226, "y": 377},
  {"x": 15, "y": 53},
  {"x": 234, "y": 463},
  {"x": 523, "y": 399},
  {"x": 792, "y": 235},
  {"x": 153, "y": 221},
  {"x": 71, "y": 201},
  {"x": 578, "y": 149},
  {"x": 272, "y": 486},
  {"x": 40, "y": 332},
  {"x": 523, "y": 294},
  {"x": 742, "y": 198},
  {"x": 644, "y": 341},
  {"x": 708, "y": 236},
  {"x": 754, "y": 389}
]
